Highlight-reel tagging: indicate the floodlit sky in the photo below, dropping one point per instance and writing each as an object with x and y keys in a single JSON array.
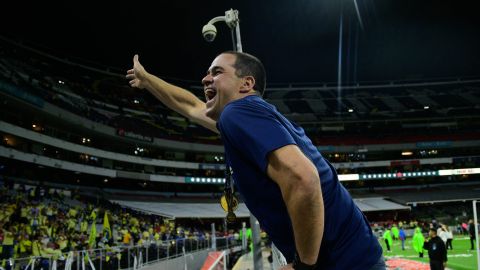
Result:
[{"x": 298, "y": 41}]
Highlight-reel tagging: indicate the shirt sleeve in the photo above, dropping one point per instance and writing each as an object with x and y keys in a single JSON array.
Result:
[{"x": 254, "y": 132}]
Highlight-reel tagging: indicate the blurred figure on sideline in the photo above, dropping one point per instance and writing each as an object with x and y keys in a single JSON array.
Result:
[
  {"x": 437, "y": 252},
  {"x": 418, "y": 241}
]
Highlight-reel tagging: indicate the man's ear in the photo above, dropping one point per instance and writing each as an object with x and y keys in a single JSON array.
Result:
[{"x": 248, "y": 84}]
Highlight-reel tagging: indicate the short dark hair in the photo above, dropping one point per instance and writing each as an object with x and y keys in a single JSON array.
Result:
[{"x": 249, "y": 65}]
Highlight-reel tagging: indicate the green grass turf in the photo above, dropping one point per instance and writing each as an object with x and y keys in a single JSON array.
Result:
[{"x": 460, "y": 258}]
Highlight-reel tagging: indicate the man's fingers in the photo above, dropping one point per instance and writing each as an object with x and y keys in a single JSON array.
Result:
[{"x": 134, "y": 82}]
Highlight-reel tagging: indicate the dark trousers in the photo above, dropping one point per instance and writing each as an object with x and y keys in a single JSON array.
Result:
[
  {"x": 472, "y": 239},
  {"x": 7, "y": 252},
  {"x": 436, "y": 265},
  {"x": 388, "y": 245},
  {"x": 449, "y": 244}
]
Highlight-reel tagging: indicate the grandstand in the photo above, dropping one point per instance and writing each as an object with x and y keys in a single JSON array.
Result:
[{"x": 97, "y": 175}]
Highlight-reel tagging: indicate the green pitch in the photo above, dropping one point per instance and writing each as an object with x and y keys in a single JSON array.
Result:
[{"x": 460, "y": 258}]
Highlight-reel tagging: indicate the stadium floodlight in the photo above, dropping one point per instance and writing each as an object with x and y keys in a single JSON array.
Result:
[{"x": 209, "y": 31}]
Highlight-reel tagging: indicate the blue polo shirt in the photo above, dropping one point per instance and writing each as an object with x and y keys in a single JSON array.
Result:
[{"x": 250, "y": 129}]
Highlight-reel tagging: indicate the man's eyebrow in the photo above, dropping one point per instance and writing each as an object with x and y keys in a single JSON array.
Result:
[{"x": 214, "y": 68}]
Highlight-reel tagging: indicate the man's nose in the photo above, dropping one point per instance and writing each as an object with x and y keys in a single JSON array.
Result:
[{"x": 207, "y": 79}]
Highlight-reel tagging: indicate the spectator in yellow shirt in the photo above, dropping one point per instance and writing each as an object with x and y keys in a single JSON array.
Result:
[
  {"x": 25, "y": 246},
  {"x": 127, "y": 238},
  {"x": 8, "y": 241},
  {"x": 72, "y": 212},
  {"x": 84, "y": 226}
]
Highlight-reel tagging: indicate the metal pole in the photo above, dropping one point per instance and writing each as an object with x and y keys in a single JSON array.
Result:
[
  {"x": 224, "y": 261},
  {"x": 239, "y": 39},
  {"x": 168, "y": 253},
  {"x": 184, "y": 257},
  {"x": 226, "y": 241},
  {"x": 214, "y": 237},
  {"x": 128, "y": 257},
  {"x": 244, "y": 236},
  {"x": 475, "y": 222},
  {"x": 256, "y": 243}
]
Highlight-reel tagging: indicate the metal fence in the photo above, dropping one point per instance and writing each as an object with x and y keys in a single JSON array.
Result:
[{"x": 120, "y": 257}]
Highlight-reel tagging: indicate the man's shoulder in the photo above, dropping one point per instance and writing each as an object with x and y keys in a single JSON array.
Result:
[
  {"x": 250, "y": 105},
  {"x": 251, "y": 101},
  {"x": 437, "y": 239}
]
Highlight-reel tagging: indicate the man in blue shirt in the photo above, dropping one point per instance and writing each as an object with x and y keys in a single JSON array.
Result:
[{"x": 285, "y": 182}]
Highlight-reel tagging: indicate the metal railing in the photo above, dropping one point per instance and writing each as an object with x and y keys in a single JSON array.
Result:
[{"x": 120, "y": 257}]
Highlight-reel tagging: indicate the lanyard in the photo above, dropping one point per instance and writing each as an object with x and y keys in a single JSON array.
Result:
[{"x": 229, "y": 201}]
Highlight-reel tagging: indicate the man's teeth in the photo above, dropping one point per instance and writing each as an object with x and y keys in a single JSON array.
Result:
[{"x": 210, "y": 93}]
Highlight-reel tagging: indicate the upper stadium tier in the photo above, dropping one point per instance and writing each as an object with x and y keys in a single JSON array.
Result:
[
  {"x": 56, "y": 108},
  {"x": 383, "y": 112}
]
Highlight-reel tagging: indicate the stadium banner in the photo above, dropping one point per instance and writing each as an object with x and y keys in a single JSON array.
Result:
[
  {"x": 434, "y": 144},
  {"x": 401, "y": 163},
  {"x": 459, "y": 171},
  {"x": 123, "y": 133},
  {"x": 209, "y": 166}
]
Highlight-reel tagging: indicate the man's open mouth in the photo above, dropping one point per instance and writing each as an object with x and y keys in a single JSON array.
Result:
[{"x": 210, "y": 93}]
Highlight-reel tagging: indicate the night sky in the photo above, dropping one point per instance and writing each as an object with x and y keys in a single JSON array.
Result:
[{"x": 298, "y": 41}]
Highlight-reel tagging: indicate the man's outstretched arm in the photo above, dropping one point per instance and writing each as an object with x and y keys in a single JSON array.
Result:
[{"x": 174, "y": 97}]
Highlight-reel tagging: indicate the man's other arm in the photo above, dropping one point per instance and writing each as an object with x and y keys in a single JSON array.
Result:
[{"x": 299, "y": 182}]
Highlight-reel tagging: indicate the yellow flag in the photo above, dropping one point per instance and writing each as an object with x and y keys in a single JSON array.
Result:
[
  {"x": 93, "y": 215},
  {"x": 107, "y": 232},
  {"x": 93, "y": 235}
]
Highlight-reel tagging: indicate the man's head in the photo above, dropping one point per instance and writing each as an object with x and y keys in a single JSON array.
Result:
[
  {"x": 432, "y": 232},
  {"x": 249, "y": 65},
  {"x": 232, "y": 75}
]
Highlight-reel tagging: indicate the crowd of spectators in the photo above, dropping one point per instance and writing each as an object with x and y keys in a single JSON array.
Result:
[
  {"x": 40, "y": 221},
  {"x": 44, "y": 222}
]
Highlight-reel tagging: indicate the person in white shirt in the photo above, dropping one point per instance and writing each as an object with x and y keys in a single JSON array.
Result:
[
  {"x": 443, "y": 234},
  {"x": 449, "y": 238}
]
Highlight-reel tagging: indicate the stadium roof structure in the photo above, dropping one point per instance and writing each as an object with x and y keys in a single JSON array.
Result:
[
  {"x": 182, "y": 210},
  {"x": 213, "y": 210},
  {"x": 437, "y": 195},
  {"x": 378, "y": 204}
]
